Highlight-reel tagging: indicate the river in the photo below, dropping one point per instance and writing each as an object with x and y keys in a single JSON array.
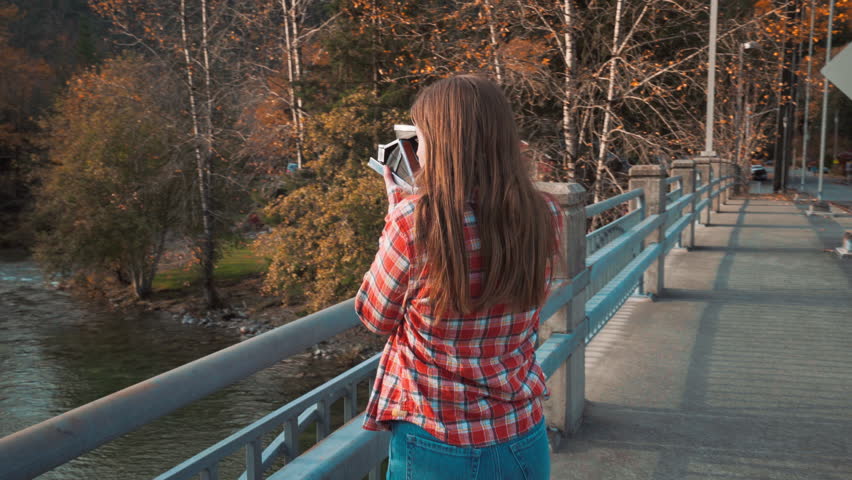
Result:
[{"x": 58, "y": 352}]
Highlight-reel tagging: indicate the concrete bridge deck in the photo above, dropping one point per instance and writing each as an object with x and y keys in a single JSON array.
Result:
[{"x": 743, "y": 370}]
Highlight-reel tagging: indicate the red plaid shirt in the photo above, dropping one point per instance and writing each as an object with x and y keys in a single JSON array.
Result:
[{"x": 469, "y": 380}]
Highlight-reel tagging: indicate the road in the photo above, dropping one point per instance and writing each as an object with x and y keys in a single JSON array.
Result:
[{"x": 832, "y": 190}]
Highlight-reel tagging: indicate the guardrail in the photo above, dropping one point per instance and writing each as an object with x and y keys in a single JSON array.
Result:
[{"x": 621, "y": 258}]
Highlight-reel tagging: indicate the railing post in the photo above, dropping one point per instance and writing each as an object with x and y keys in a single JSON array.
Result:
[
  {"x": 686, "y": 170},
  {"x": 703, "y": 166},
  {"x": 716, "y": 167},
  {"x": 564, "y": 409},
  {"x": 727, "y": 171},
  {"x": 651, "y": 179}
]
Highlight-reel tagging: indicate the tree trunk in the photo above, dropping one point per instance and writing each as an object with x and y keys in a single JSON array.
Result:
[
  {"x": 492, "y": 37},
  {"x": 610, "y": 95},
  {"x": 203, "y": 152},
  {"x": 143, "y": 272},
  {"x": 291, "y": 78},
  {"x": 374, "y": 20},
  {"x": 570, "y": 94},
  {"x": 618, "y": 46},
  {"x": 294, "y": 52}
]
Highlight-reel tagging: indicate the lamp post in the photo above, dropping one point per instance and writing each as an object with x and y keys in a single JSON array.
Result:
[
  {"x": 711, "y": 81},
  {"x": 825, "y": 101},
  {"x": 805, "y": 132},
  {"x": 741, "y": 97}
]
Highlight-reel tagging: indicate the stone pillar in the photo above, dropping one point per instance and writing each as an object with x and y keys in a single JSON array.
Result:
[
  {"x": 686, "y": 170},
  {"x": 728, "y": 171},
  {"x": 716, "y": 167},
  {"x": 564, "y": 409},
  {"x": 732, "y": 171},
  {"x": 651, "y": 179},
  {"x": 702, "y": 165}
]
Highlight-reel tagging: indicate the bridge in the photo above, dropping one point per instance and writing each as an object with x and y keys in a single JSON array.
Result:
[{"x": 703, "y": 334}]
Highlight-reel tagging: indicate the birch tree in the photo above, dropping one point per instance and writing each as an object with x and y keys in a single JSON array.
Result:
[
  {"x": 202, "y": 132},
  {"x": 201, "y": 41},
  {"x": 293, "y": 12}
]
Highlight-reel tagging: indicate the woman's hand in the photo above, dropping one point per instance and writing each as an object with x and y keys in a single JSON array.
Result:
[{"x": 395, "y": 191}]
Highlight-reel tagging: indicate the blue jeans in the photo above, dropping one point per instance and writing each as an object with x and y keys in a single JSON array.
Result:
[{"x": 417, "y": 455}]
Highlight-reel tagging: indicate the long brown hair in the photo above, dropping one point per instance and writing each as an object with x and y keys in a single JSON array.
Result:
[{"x": 473, "y": 153}]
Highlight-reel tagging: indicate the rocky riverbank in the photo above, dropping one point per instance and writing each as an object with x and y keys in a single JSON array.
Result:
[{"x": 248, "y": 313}]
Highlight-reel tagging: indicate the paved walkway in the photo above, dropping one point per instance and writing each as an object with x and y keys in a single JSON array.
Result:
[{"x": 743, "y": 370}]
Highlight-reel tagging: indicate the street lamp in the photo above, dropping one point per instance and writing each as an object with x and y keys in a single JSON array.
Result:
[
  {"x": 825, "y": 101},
  {"x": 741, "y": 96},
  {"x": 806, "y": 135},
  {"x": 711, "y": 81}
]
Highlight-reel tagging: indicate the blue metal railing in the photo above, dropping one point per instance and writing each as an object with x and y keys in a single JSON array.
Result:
[
  {"x": 673, "y": 180},
  {"x": 601, "y": 300},
  {"x": 615, "y": 263}
]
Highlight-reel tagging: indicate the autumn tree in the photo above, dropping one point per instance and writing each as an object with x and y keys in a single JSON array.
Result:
[
  {"x": 209, "y": 44},
  {"x": 325, "y": 228},
  {"x": 113, "y": 189}
]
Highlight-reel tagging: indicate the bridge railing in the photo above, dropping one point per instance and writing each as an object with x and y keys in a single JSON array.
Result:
[{"x": 617, "y": 261}]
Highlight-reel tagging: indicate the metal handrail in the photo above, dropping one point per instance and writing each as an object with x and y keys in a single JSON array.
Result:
[
  {"x": 674, "y": 194},
  {"x": 599, "y": 238},
  {"x": 673, "y": 232},
  {"x": 600, "y": 207},
  {"x": 601, "y": 307},
  {"x": 680, "y": 202},
  {"x": 599, "y": 262}
]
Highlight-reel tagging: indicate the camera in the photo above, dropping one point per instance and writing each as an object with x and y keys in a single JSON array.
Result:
[{"x": 400, "y": 155}]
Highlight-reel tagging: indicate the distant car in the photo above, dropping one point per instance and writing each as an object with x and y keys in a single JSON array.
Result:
[{"x": 758, "y": 173}]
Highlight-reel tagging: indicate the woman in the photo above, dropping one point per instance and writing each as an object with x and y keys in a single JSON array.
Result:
[{"x": 462, "y": 270}]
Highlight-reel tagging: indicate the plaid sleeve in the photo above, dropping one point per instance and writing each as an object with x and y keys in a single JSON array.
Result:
[
  {"x": 395, "y": 195},
  {"x": 380, "y": 300}
]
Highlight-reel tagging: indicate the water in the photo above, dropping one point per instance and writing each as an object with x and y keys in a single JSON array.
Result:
[{"x": 57, "y": 353}]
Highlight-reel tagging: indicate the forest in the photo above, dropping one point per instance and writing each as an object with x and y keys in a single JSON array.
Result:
[{"x": 133, "y": 130}]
